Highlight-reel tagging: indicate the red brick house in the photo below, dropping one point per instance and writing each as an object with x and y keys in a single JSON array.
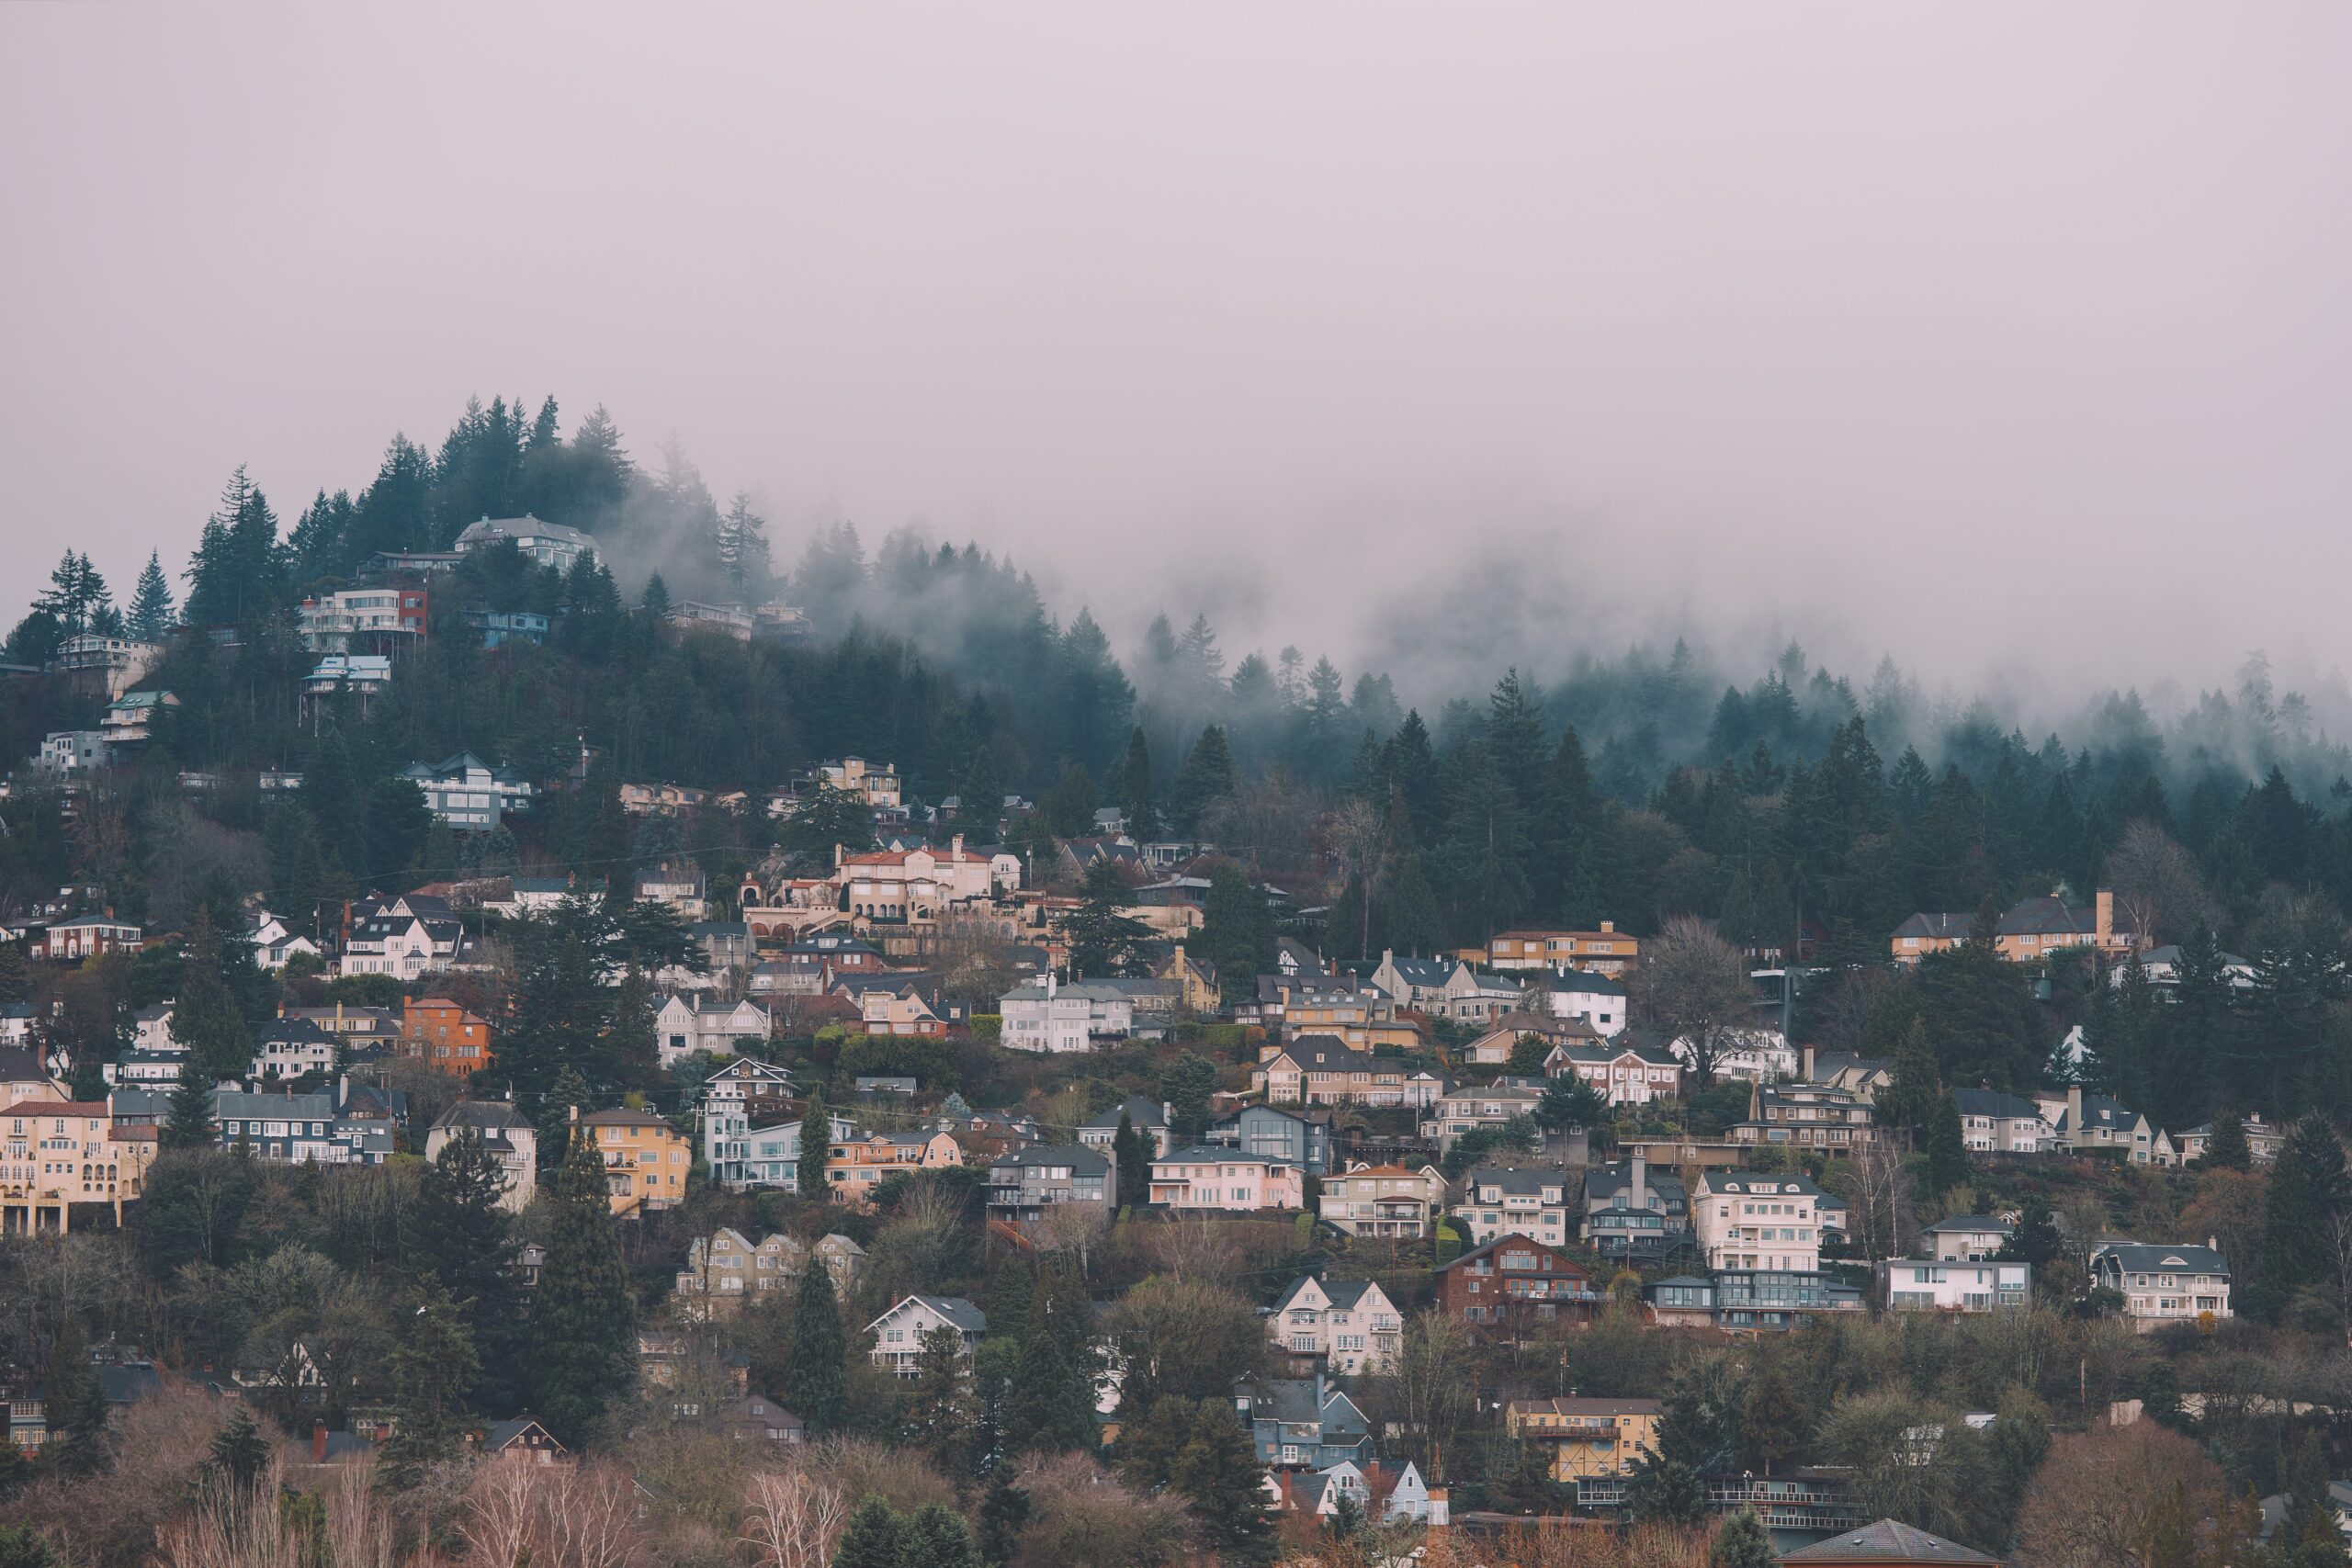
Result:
[{"x": 1515, "y": 1282}]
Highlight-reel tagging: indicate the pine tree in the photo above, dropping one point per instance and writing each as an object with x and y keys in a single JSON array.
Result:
[
  {"x": 432, "y": 1371},
  {"x": 1011, "y": 1301},
  {"x": 816, "y": 1383},
  {"x": 15, "y": 975},
  {"x": 1947, "y": 1151},
  {"x": 1772, "y": 1426},
  {"x": 1217, "y": 1472},
  {"x": 2308, "y": 1189},
  {"x": 465, "y": 1240},
  {"x": 2036, "y": 1239},
  {"x": 876, "y": 1538},
  {"x": 151, "y": 603},
  {"x": 584, "y": 1330},
  {"x": 1206, "y": 778},
  {"x": 940, "y": 1417},
  {"x": 1005, "y": 1510},
  {"x": 76, "y": 1405},
  {"x": 1908, "y": 1103},
  {"x": 2227, "y": 1149},
  {"x": 937, "y": 1537},
  {"x": 1743, "y": 1542},
  {"x": 1134, "y": 1164},
  {"x": 188, "y": 1124},
  {"x": 1134, "y": 788},
  {"x": 238, "y": 1452},
  {"x": 1050, "y": 1406},
  {"x": 816, "y": 1147},
  {"x": 205, "y": 1017}
]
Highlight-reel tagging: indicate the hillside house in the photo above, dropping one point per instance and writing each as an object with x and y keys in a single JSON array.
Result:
[
  {"x": 506, "y": 1136},
  {"x": 1349, "y": 1326},
  {"x": 898, "y": 1332}
]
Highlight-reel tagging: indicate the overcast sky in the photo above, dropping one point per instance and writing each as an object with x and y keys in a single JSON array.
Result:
[{"x": 1982, "y": 333}]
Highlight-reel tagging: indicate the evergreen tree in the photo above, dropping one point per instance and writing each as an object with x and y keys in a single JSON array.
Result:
[
  {"x": 188, "y": 1124},
  {"x": 2036, "y": 1239},
  {"x": 583, "y": 1331},
  {"x": 876, "y": 1536},
  {"x": 238, "y": 1452},
  {"x": 2308, "y": 1189},
  {"x": 432, "y": 1371},
  {"x": 151, "y": 603},
  {"x": 465, "y": 1240},
  {"x": 937, "y": 1537},
  {"x": 1050, "y": 1406},
  {"x": 1134, "y": 788},
  {"x": 76, "y": 1405},
  {"x": 205, "y": 1017},
  {"x": 1103, "y": 939},
  {"x": 1186, "y": 1082},
  {"x": 1236, "y": 928},
  {"x": 816, "y": 1147},
  {"x": 1772, "y": 1429},
  {"x": 1206, "y": 778},
  {"x": 1529, "y": 1488},
  {"x": 1217, "y": 1472},
  {"x": 1743, "y": 1542},
  {"x": 15, "y": 975},
  {"x": 1010, "y": 1302},
  {"x": 1665, "y": 1491},
  {"x": 940, "y": 1417},
  {"x": 1005, "y": 1510},
  {"x": 1947, "y": 1151},
  {"x": 1908, "y": 1104},
  {"x": 816, "y": 1383},
  {"x": 1133, "y": 1163},
  {"x": 2227, "y": 1149}
]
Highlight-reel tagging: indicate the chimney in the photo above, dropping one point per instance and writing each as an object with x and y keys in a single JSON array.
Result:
[
  {"x": 2075, "y": 1110},
  {"x": 318, "y": 1442},
  {"x": 2103, "y": 904},
  {"x": 1608, "y": 927},
  {"x": 955, "y": 846},
  {"x": 1808, "y": 1064},
  {"x": 1641, "y": 1179}
]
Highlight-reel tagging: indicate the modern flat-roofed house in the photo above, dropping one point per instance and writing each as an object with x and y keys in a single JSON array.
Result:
[
  {"x": 378, "y": 620},
  {"x": 2164, "y": 1285},
  {"x": 1604, "y": 952},
  {"x": 469, "y": 794},
  {"x": 549, "y": 543},
  {"x": 1494, "y": 1105},
  {"x": 1587, "y": 1437},
  {"x": 1302, "y": 1138},
  {"x": 1209, "y": 1177},
  {"x": 1937, "y": 1285},
  {"x": 1025, "y": 1182},
  {"x": 1383, "y": 1200}
]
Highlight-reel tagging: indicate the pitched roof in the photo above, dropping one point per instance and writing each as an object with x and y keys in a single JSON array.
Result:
[
  {"x": 1977, "y": 1223},
  {"x": 953, "y": 1309},
  {"x": 1992, "y": 1103},
  {"x": 1138, "y": 1110},
  {"x": 1326, "y": 1054},
  {"x": 2137, "y": 1258},
  {"x": 1514, "y": 1180},
  {"x": 1567, "y": 1263},
  {"x": 481, "y": 1116},
  {"x": 1888, "y": 1540},
  {"x": 1343, "y": 1294},
  {"x": 1083, "y": 1161}
]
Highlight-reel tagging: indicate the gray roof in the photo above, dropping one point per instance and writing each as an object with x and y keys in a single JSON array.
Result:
[
  {"x": 1585, "y": 980},
  {"x": 955, "y": 1309},
  {"x": 1887, "y": 1538},
  {"x": 1526, "y": 1183},
  {"x": 1602, "y": 1184},
  {"x": 1218, "y": 1154},
  {"x": 1992, "y": 1103},
  {"x": 490, "y": 530},
  {"x": 2136, "y": 1257},
  {"x": 483, "y": 1116},
  {"x": 1326, "y": 1054},
  {"x": 1082, "y": 1161},
  {"x": 1138, "y": 1110},
  {"x": 1979, "y": 1223}
]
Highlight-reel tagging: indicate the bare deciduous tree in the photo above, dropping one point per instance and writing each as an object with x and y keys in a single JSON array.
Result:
[
  {"x": 790, "y": 1522},
  {"x": 1693, "y": 987}
]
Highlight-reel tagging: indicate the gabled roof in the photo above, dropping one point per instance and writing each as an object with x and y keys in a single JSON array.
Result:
[
  {"x": 1604, "y": 1182},
  {"x": 1342, "y": 1293},
  {"x": 1083, "y": 1161},
  {"x": 953, "y": 1309},
  {"x": 499, "y": 1434},
  {"x": 1567, "y": 1264},
  {"x": 1978, "y": 1225},
  {"x": 1992, "y": 1102},
  {"x": 483, "y": 1116},
  {"x": 1584, "y": 982},
  {"x": 2136, "y": 1257},
  {"x": 1326, "y": 1054},
  {"x": 1519, "y": 1182},
  {"x": 1141, "y": 1112},
  {"x": 1887, "y": 1540}
]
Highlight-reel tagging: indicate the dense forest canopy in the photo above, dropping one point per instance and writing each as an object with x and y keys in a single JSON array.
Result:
[{"x": 1634, "y": 788}]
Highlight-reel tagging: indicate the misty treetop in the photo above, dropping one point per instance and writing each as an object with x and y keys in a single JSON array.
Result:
[{"x": 1630, "y": 788}]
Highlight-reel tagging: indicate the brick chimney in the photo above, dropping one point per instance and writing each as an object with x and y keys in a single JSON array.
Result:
[
  {"x": 2103, "y": 903},
  {"x": 2075, "y": 1110},
  {"x": 1808, "y": 1064}
]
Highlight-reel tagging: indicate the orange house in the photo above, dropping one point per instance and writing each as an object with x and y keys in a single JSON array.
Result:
[
  {"x": 645, "y": 1159},
  {"x": 853, "y": 1167},
  {"x": 439, "y": 1033}
]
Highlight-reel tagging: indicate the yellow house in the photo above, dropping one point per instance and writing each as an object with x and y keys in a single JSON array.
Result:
[
  {"x": 645, "y": 1159},
  {"x": 1590, "y": 1437},
  {"x": 1195, "y": 979},
  {"x": 57, "y": 1152}
]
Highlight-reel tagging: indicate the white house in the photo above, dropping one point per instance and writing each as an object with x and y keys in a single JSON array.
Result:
[
  {"x": 1746, "y": 1219},
  {"x": 2162, "y": 1285},
  {"x": 1499, "y": 1200},
  {"x": 1622, "y": 1075},
  {"x": 549, "y": 543},
  {"x": 1053, "y": 1017},
  {"x": 1937, "y": 1285},
  {"x": 1756, "y": 1056},
  {"x": 154, "y": 1026},
  {"x": 739, "y": 1154},
  {"x": 274, "y": 943},
  {"x": 919, "y": 883},
  {"x": 898, "y": 1332},
  {"x": 1591, "y": 998},
  {"x": 694, "y": 1021},
  {"x": 507, "y": 1136},
  {"x": 402, "y": 937},
  {"x": 74, "y": 751},
  {"x": 1351, "y": 1323}
]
